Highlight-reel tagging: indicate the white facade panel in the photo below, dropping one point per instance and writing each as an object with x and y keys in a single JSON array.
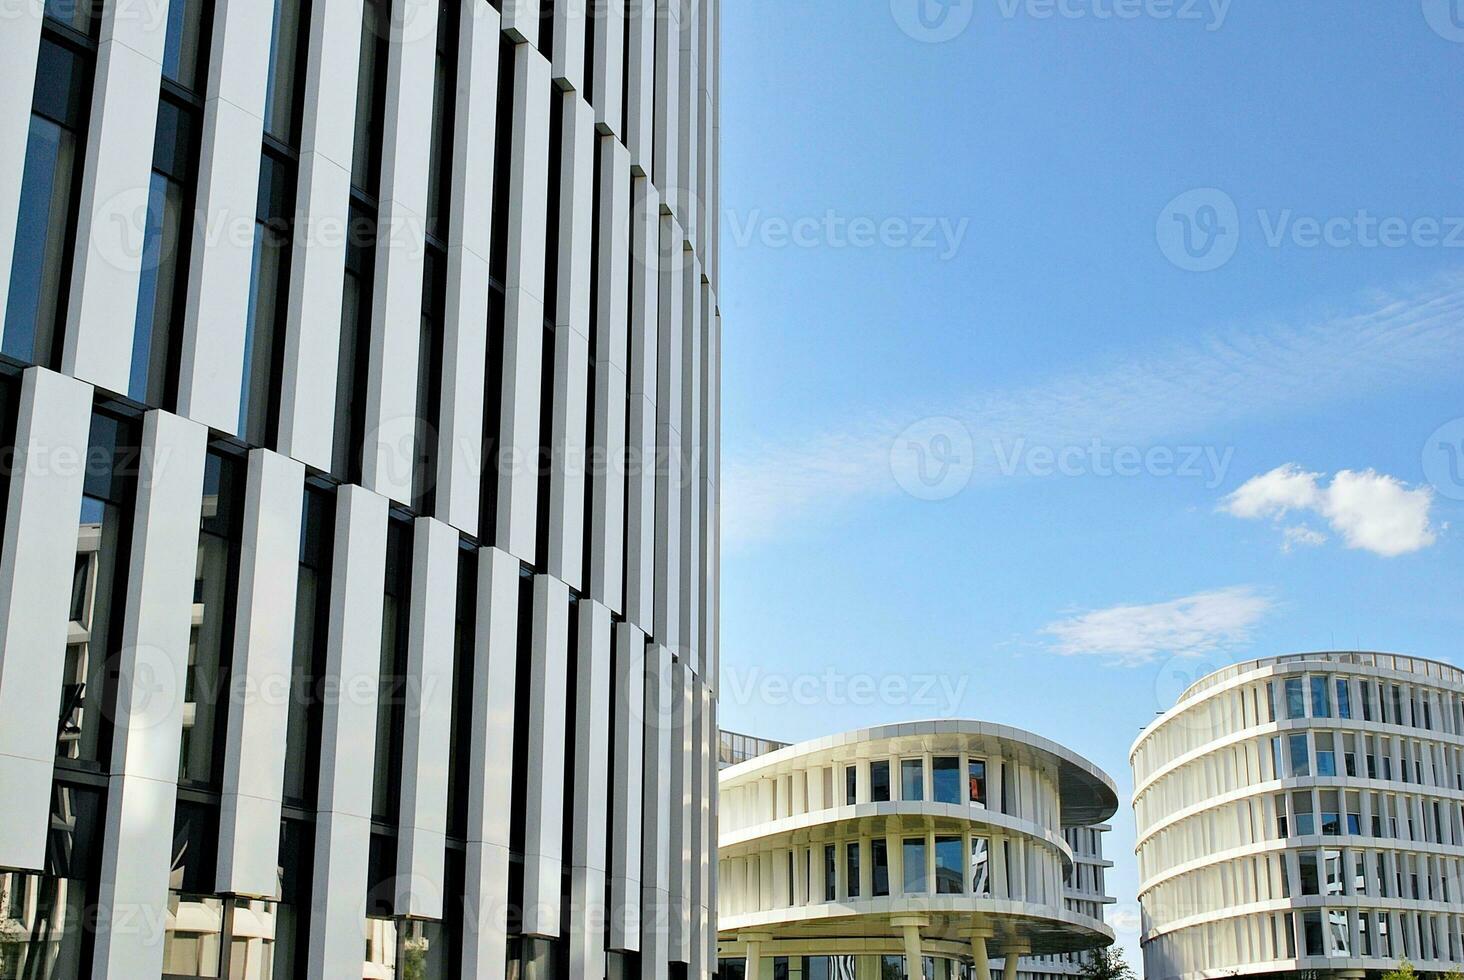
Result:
[
  {"x": 465, "y": 343},
  {"x": 544, "y": 789},
  {"x": 116, "y": 175},
  {"x": 655, "y": 907},
  {"x": 388, "y": 453},
  {"x": 670, "y": 391},
  {"x": 318, "y": 260},
  {"x": 594, "y": 692},
  {"x": 628, "y": 765},
  {"x": 264, "y": 639},
  {"x": 152, "y": 673},
  {"x": 640, "y": 503},
  {"x": 523, "y": 329},
  {"x": 666, "y": 145},
  {"x": 640, "y": 85},
  {"x": 607, "y": 67},
  {"x": 427, "y": 733},
  {"x": 222, "y": 254},
  {"x": 36, "y": 563},
  {"x": 347, "y": 764},
  {"x": 571, "y": 21}
]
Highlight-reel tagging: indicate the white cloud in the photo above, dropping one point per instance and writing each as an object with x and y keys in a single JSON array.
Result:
[
  {"x": 1185, "y": 392},
  {"x": 1187, "y": 627},
  {"x": 1301, "y": 536},
  {"x": 1371, "y": 511}
]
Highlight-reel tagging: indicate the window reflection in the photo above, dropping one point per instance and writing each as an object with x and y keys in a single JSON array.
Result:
[
  {"x": 980, "y": 867},
  {"x": 42, "y": 916}
]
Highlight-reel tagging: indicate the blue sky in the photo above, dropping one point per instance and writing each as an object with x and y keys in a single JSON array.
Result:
[{"x": 1077, "y": 354}]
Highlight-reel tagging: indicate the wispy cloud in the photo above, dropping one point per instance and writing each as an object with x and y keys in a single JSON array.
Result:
[
  {"x": 1371, "y": 511},
  {"x": 1183, "y": 392},
  {"x": 1186, "y": 627}
]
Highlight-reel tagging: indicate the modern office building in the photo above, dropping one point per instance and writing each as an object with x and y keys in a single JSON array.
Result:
[
  {"x": 359, "y": 418},
  {"x": 941, "y": 850},
  {"x": 1304, "y": 815}
]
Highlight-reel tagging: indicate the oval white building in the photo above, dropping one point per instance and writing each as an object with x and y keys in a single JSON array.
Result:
[
  {"x": 943, "y": 843},
  {"x": 1304, "y": 813}
]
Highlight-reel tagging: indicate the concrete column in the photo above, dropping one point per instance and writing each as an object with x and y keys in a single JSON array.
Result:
[
  {"x": 910, "y": 926},
  {"x": 979, "y": 937},
  {"x": 1012, "y": 954},
  {"x": 753, "y": 945}
]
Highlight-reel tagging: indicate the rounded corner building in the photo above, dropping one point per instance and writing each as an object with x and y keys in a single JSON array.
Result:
[
  {"x": 359, "y": 412},
  {"x": 923, "y": 850},
  {"x": 1303, "y": 815}
]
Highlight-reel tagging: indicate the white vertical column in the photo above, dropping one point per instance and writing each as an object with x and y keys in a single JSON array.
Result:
[
  {"x": 544, "y": 792},
  {"x": 628, "y": 740},
  {"x": 714, "y": 149},
  {"x": 607, "y": 66},
  {"x": 220, "y": 268},
  {"x": 688, "y": 126},
  {"x": 713, "y": 611},
  {"x": 692, "y": 461},
  {"x": 669, "y": 393},
  {"x": 318, "y": 259},
  {"x": 152, "y": 668},
  {"x": 667, "y": 143},
  {"x": 20, "y": 46},
  {"x": 709, "y": 424},
  {"x": 640, "y": 84},
  {"x": 427, "y": 726},
  {"x": 387, "y": 456},
  {"x": 612, "y": 289},
  {"x": 640, "y": 516},
  {"x": 656, "y": 815},
  {"x": 36, "y": 564},
  {"x": 347, "y": 750},
  {"x": 683, "y": 814},
  {"x": 490, "y": 791},
  {"x": 523, "y": 328},
  {"x": 116, "y": 176},
  {"x": 565, "y": 559},
  {"x": 470, "y": 231},
  {"x": 568, "y": 44},
  {"x": 259, "y": 710},
  {"x": 703, "y": 845},
  {"x": 705, "y": 144},
  {"x": 710, "y": 807},
  {"x": 521, "y": 21},
  {"x": 593, "y": 693}
]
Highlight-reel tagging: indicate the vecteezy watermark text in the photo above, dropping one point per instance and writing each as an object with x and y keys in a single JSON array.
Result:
[
  {"x": 941, "y": 694},
  {"x": 944, "y": 236},
  {"x": 1020, "y": 458}
]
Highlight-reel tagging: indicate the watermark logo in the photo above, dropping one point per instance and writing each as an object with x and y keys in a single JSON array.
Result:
[
  {"x": 1212, "y": 12},
  {"x": 1018, "y": 457},
  {"x": 941, "y": 695},
  {"x": 933, "y": 21},
  {"x": 1446, "y": 17},
  {"x": 943, "y": 236},
  {"x": 1199, "y": 231},
  {"x": 934, "y": 458},
  {"x": 1443, "y": 459}
]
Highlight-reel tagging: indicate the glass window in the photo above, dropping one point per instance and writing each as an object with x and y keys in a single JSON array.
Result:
[
  {"x": 1311, "y": 923},
  {"x": 312, "y": 622},
  {"x": 1333, "y": 862},
  {"x": 391, "y": 700},
  {"x": 851, "y": 785},
  {"x": 879, "y": 860},
  {"x": 281, "y": 102},
  {"x": 980, "y": 867},
  {"x": 1310, "y": 880},
  {"x": 268, "y": 299},
  {"x": 851, "y": 869},
  {"x": 45, "y": 933},
  {"x": 184, "y": 54},
  {"x": 103, "y": 540},
  {"x": 948, "y": 861},
  {"x": 976, "y": 779},
  {"x": 371, "y": 95},
  {"x": 355, "y": 345},
  {"x": 1321, "y": 698},
  {"x": 912, "y": 779},
  {"x": 41, "y": 265},
  {"x": 163, "y": 277},
  {"x": 1295, "y": 698},
  {"x": 464, "y": 629},
  {"x": 1300, "y": 755},
  {"x": 879, "y": 781},
  {"x": 1344, "y": 698},
  {"x": 214, "y": 594},
  {"x": 1301, "y": 805},
  {"x": 915, "y": 881},
  {"x": 830, "y": 873},
  {"x": 1331, "y": 816},
  {"x": 1326, "y": 754},
  {"x": 946, "y": 775}
]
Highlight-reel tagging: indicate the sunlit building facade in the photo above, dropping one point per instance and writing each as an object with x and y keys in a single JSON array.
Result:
[
  {"x": 359, "y": 410},
  {"x": 1304, "y": 814},
  {"x": 945, "y": 850}
]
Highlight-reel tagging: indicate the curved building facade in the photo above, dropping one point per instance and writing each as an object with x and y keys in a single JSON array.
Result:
[
  {"x": 359, "y": 387},
  {"x": 926, "y": 849},
  {"x": 1304, "y": 813}
]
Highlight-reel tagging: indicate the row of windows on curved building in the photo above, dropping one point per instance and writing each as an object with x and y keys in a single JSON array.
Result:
[
  {"x": 1304, "y": 813},
  {"x": 927, "y": 849}
]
